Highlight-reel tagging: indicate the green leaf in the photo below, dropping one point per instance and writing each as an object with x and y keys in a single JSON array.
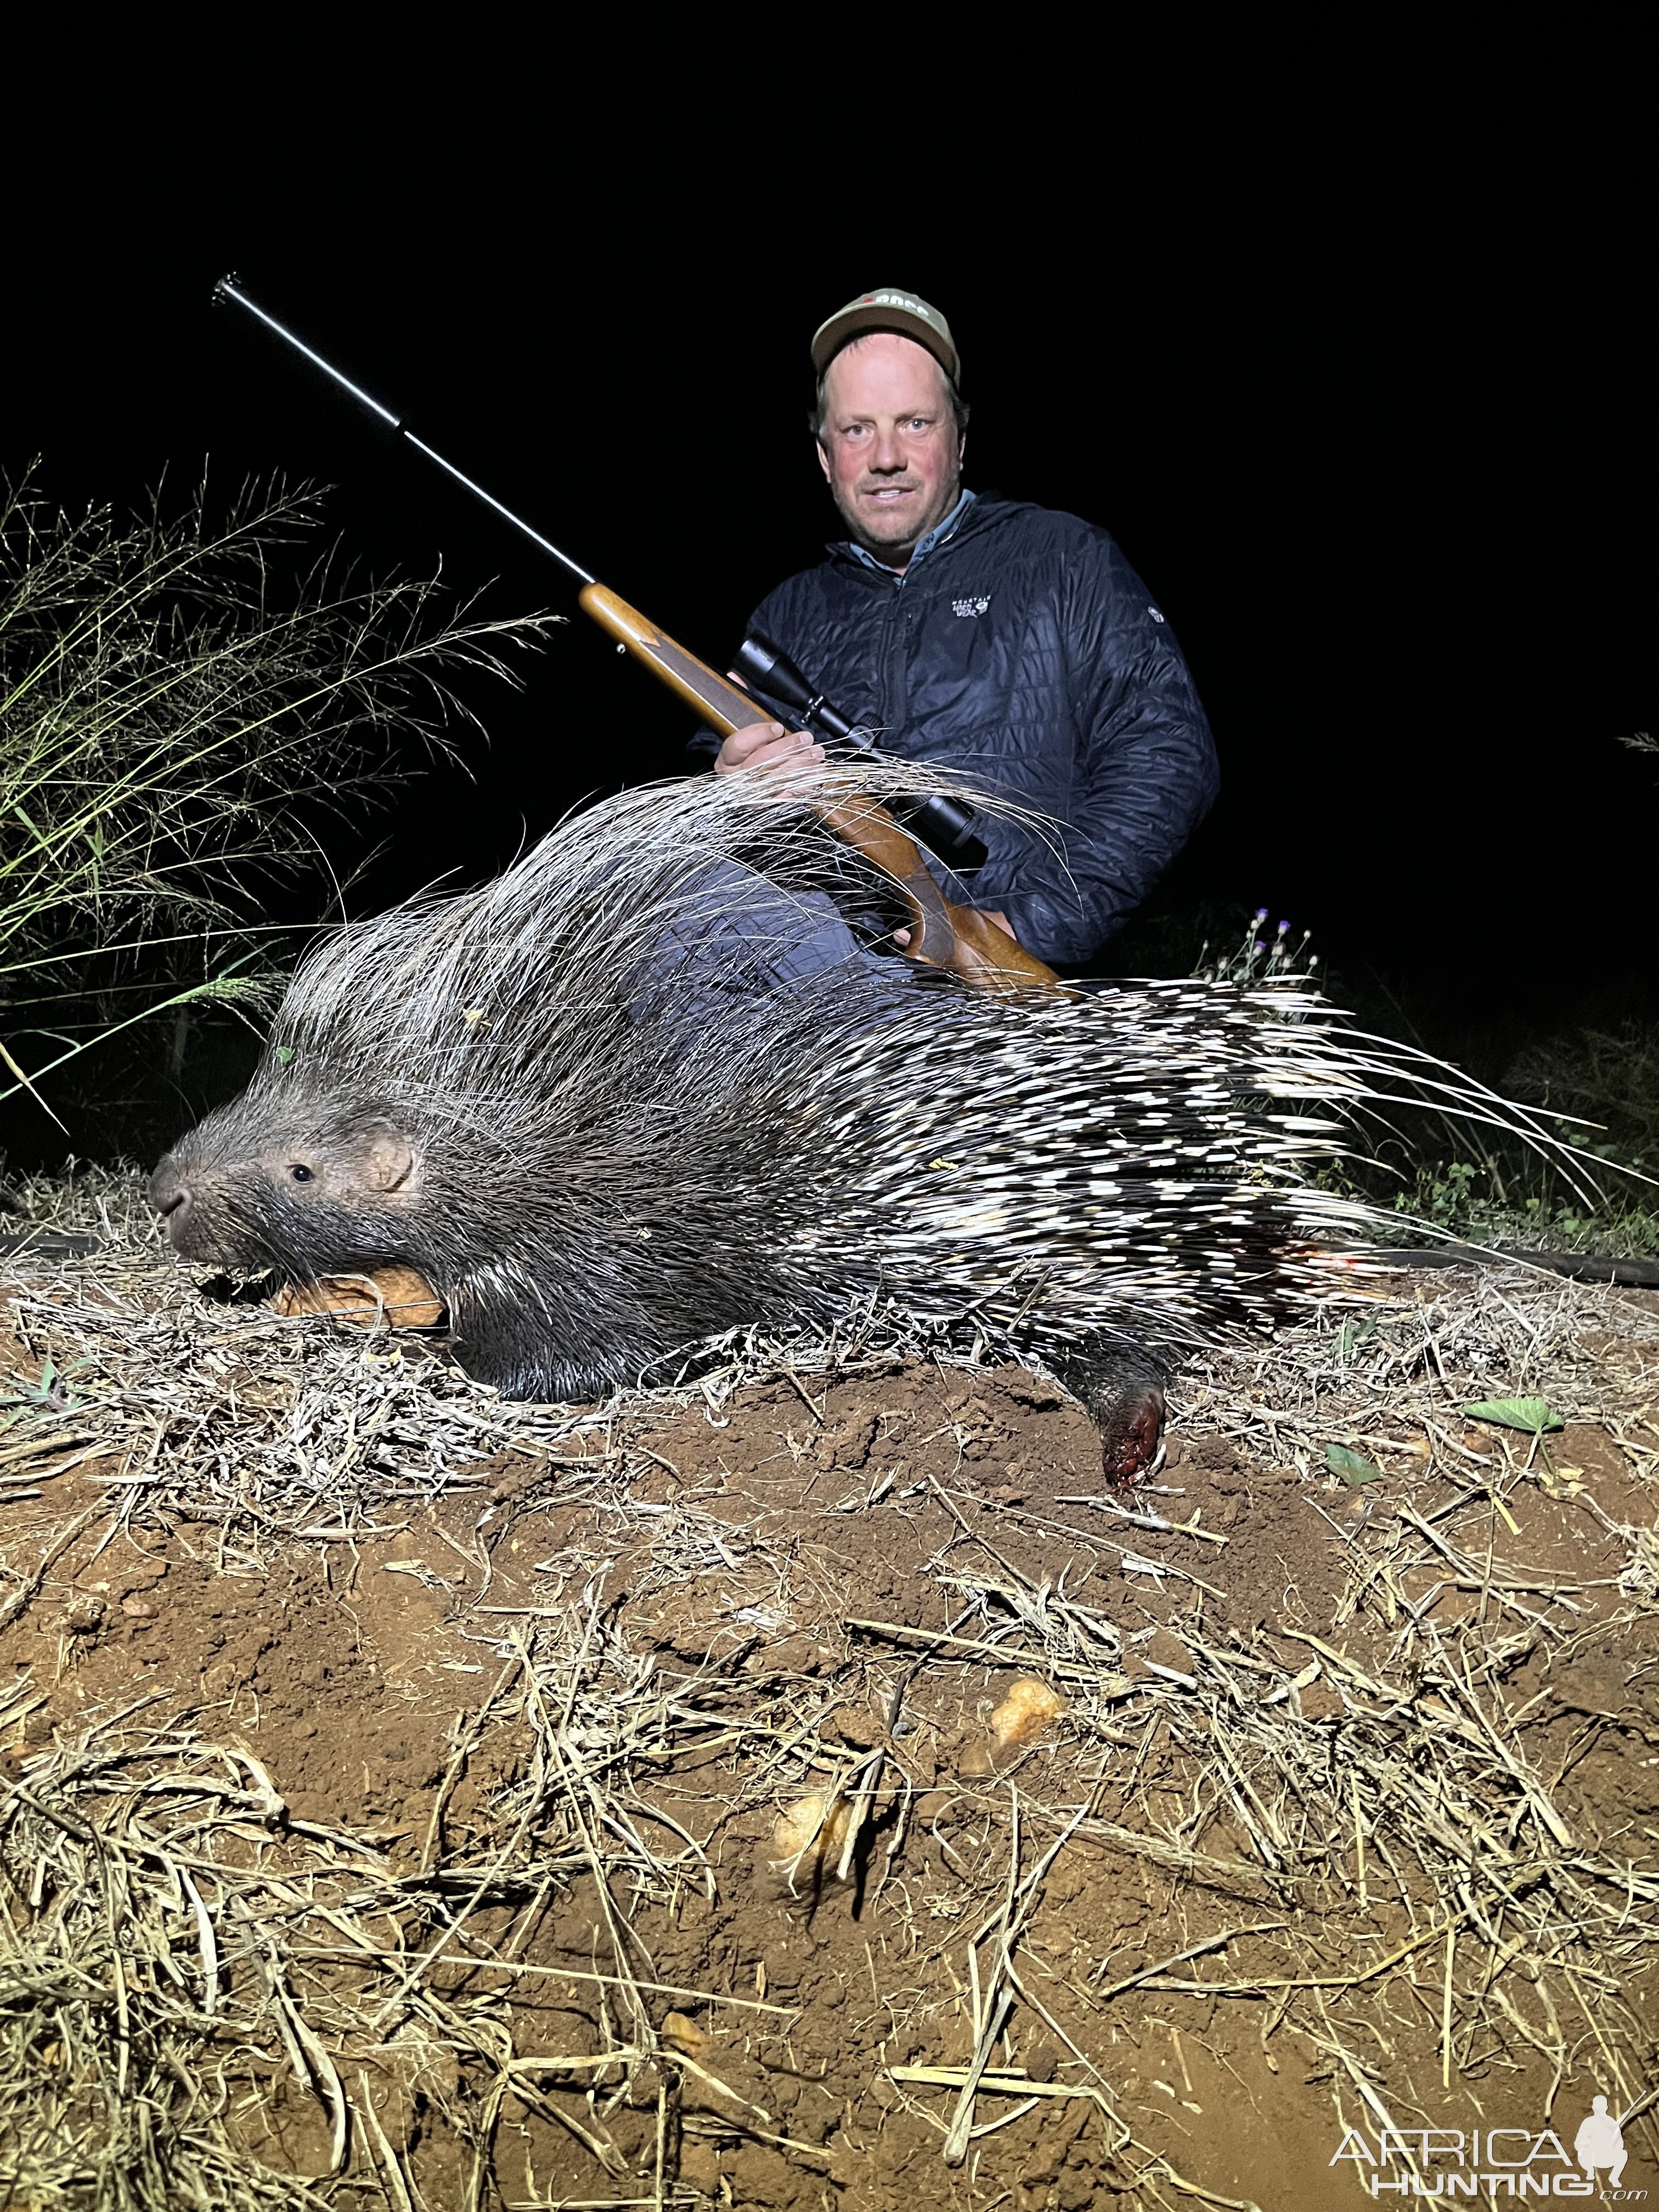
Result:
[
  {"x": 1353, "y": 1468},
  {"x": 1531, "y": 1415}
]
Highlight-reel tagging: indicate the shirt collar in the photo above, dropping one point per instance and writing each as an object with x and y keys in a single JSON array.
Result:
[{"x": 938, "y": 535}]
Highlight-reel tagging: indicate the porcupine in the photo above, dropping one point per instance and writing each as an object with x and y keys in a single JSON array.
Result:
[{"x": 637, "y": 1091}]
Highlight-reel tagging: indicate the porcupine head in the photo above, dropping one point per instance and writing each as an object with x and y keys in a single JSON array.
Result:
[
  {"x": 555, "y": 1284},
  {"x": 293, "y": 1178},
  {"x": 450, "y": 1089}
]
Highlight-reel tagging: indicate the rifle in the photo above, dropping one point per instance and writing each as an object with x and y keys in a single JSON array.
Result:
[
  {"x": 944, "y": 824},
  {"x": 942, "y": 934}
]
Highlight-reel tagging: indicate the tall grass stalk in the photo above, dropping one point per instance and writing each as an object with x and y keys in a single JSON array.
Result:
[{"x": 181, "y": 699}]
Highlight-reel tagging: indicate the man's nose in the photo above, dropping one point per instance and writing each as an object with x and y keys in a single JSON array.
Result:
[{"x": 890, "y": 458}]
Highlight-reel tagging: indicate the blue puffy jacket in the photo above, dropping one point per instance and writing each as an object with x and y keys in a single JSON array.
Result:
[{"x": 1020, "y": 646}]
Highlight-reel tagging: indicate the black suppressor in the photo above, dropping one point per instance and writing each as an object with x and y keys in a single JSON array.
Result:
[{"x": 945, "y": 825}]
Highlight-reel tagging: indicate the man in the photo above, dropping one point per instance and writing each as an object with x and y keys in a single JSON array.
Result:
[{"x": 993, "y": 636}]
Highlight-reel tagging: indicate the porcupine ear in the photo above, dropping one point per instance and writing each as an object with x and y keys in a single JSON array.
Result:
[{"x": 389, "y": 1158}]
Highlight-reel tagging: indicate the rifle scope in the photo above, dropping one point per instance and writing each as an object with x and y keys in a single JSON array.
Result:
[{"x": 944, "y": 824}]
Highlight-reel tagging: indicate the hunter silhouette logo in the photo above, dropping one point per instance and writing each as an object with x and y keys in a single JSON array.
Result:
[
  {"x": 1449, "y": 2163},
  {"x": 1599, "y": 2141}
]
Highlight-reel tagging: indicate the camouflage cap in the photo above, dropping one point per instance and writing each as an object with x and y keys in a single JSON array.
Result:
[{"x": 888, "y": 310}]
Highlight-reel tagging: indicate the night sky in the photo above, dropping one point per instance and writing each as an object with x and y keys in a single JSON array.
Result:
[{"x": 1355, "y": 366}]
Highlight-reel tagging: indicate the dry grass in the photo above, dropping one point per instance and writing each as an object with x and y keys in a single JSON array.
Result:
[
  {"x": 175, "y": 1945},
  {"x": 226, "y": 1412},
  {"x": 184, "y": 704}
]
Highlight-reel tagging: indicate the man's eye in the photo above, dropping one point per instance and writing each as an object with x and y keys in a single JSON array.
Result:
[{"x": 301, "y": 1175}]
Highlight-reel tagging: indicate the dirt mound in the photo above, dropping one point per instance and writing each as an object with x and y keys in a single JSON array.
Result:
[{"x": 815, "y": 1790}]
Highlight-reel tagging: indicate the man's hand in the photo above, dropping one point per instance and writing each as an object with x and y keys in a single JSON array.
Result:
[{"x": 767, "y": 744}]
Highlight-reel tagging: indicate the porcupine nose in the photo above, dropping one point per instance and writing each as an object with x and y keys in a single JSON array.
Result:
[{"x": 170, "y": 1194}]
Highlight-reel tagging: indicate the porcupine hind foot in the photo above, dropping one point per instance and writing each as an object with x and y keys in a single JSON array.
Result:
[{"x": 1121, "y": 1387}]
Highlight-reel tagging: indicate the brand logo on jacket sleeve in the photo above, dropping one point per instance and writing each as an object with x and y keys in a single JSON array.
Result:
[{"x": 970, "y": 607}]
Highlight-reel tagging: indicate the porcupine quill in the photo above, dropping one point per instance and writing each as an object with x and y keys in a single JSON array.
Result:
[{"x": 606, "y": 1108}]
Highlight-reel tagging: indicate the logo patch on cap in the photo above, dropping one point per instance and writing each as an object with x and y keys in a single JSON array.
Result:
[
  {"x": 898, "y": 300},
  {"x": 888, "y": 309}
]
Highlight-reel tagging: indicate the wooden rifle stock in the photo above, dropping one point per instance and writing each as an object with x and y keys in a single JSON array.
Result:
[{"x": 942, "y": 935}]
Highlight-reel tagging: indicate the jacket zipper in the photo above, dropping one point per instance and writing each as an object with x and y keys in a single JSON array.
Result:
[{"x": 894, "y": 664}]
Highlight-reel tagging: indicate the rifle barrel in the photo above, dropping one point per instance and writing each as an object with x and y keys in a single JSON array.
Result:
[{"x": 227, "y": 289}]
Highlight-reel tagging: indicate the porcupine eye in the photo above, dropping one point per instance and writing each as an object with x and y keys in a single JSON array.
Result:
[{"x": 301, "y": 1175}]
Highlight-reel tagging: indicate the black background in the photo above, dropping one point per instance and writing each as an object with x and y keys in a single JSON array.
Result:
[{"x": 1348, "y": 347}]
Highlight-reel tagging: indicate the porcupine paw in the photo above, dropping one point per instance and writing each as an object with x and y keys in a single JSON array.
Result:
[
  {"x": 1131, "y": 1434},
  {"x": 1121, "y": 1388}
]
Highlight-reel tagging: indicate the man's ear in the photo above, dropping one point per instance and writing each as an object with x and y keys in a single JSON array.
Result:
[
  {"x": 823, "y": 460},
  {"x": 389, "y": 1160}
]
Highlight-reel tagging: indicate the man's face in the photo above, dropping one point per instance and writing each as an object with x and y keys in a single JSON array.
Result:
[{"x": 890, "y": 445}]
